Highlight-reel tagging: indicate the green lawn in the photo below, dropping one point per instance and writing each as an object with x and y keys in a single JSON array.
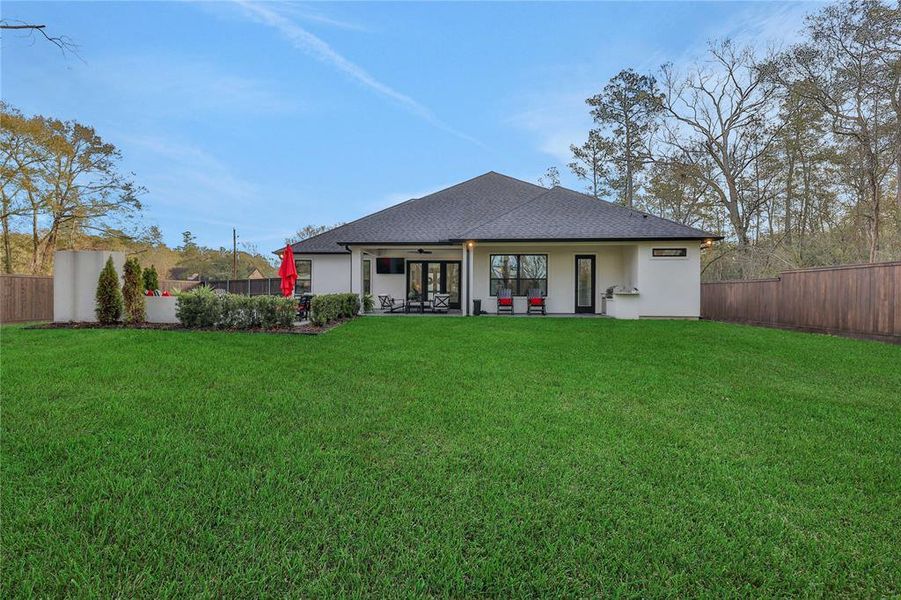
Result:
[{"x": 451, "y": 457}]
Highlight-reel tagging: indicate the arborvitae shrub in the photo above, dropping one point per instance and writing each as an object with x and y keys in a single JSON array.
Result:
[
  {"x": 151, "y": 278},
  {"x": 109, "y": 296},
  {"x": 132, "y": 291}
]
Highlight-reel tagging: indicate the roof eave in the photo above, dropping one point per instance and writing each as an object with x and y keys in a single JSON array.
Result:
[{"x": 596, "y": 239}]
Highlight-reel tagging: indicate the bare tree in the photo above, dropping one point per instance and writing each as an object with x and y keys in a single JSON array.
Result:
[
  {"x": 850, "y": 66},
  {"x": 309, "y": 231},
  {"x": 64, "y": 43},
  {"x": 717, "y": 123},
  {"x": 550, "y": 179}
]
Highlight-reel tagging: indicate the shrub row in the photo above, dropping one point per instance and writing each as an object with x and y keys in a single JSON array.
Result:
[
  {"x": 200, "y": 307},
  {"x": 331, "y": 307}
]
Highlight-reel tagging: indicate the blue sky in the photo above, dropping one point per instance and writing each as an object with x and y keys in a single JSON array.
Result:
[{"x": 270, "y": 116}]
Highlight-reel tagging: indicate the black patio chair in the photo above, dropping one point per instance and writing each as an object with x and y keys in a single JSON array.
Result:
[
  {"x": 303, "y": 305},
  {"x": 390, "y": 304},
  {"x": 535, "y": 302},
  {"x": 505, "y": 301},
  {"x": 441, "y": 303}
]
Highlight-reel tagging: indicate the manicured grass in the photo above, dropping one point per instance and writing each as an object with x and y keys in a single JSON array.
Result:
[{"x": 451, "y": 457}]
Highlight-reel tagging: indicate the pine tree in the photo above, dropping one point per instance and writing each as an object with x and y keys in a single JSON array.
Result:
[
  {"x": 151, "y": 278},
  {"x": 132, "y": 294},
  {"x": 109, "y": 296}
]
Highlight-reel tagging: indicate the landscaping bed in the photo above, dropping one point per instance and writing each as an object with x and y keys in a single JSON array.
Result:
[{"x": 303, "y": 329}]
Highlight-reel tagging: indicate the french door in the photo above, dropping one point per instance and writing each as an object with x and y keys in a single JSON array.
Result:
[
  {"x": 425, "y": 278},
  {"x": 585, "y": 283}
]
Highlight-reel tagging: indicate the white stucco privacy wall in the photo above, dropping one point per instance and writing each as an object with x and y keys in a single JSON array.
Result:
[
  {"x": 75, "y": 275},
  {"x": 670, "y": 286}
]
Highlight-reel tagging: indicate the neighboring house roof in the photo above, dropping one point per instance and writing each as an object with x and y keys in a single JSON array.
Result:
[{"x": 496, "y": 207}]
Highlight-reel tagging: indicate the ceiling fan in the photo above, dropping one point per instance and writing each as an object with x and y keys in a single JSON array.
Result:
[{"x": 420, "y": 251}]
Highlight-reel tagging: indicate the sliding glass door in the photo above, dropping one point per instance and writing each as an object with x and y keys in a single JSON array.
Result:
[{"x": 425, "y": 278}]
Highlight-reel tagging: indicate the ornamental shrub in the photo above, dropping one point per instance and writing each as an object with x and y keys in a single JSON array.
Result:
[
  {"x": 132, "y": 292},
  {"x": 237, "y": 312},
  {"x": 331, "y": 307},
  {"x": 109, "y": 296},
  {"x": 151, "y": 278}
]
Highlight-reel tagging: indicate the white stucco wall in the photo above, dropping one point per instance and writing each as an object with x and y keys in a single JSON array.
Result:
[
  {"x": 330, "y": 272},
  {"x": 668, "y": 287},
  {"x": 561, "y": 296},
  {"x": 75, "y": 275}
]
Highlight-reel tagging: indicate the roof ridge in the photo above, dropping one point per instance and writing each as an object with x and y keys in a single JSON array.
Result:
[
  {"x": 517, "y": 207},
  {"x": 516, "y": 179},
  {"x": 387, "y": 208}
]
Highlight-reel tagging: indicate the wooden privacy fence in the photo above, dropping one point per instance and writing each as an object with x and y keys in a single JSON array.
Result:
[
  {"x": 26, "y": 298},
  {"x": 30, "y": 297},
  {"x": 854, "y": 300}
]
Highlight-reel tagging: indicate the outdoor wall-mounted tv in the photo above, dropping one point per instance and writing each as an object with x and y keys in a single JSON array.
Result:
[{"x": 389, "y": 266}]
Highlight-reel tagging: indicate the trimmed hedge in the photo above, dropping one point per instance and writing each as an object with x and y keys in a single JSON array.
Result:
[
  {"x": 200, "y": 307},
  {"x": 331, "y": 307}
]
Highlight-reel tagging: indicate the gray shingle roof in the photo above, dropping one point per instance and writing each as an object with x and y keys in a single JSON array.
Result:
[
  {"x": 497, "y": 207},
  {"x": 562, "y": 214}
]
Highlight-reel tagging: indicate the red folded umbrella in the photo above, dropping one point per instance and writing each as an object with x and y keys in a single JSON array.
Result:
[{"x": 288, "y": 272}]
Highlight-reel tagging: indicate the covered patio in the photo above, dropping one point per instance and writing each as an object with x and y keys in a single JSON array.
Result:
[{"x": 617, "y": 279}]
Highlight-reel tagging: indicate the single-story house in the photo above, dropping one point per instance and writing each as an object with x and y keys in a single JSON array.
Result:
[{"x": 495, "y": 233}]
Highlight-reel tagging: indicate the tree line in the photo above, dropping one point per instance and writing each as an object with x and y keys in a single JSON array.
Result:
[
  {"x": 62, "y": 187},
  {"x": 793, "y": 155}
]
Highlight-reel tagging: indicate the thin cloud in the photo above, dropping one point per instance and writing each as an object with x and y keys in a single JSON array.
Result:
[
  {"x": 556, "y": 115},
  {"x": 306, "y": 42}
]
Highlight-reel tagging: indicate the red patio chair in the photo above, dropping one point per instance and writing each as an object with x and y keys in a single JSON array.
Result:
[
  {"x": 535, "y": 302},
  {"x": 504, "y": 301}
]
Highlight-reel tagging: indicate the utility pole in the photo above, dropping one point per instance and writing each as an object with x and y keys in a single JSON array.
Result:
[{"x": 234, "y": 253}]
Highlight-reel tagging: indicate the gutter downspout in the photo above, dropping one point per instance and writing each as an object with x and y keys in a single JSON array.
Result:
[{"x": 350, "y": 287}]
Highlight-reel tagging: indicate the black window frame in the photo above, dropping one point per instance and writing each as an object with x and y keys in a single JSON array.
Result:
[
  {"x": 306, "y": 282},
  {"x": 665, "y": 252},
  {"x": 517, "y": 281}
]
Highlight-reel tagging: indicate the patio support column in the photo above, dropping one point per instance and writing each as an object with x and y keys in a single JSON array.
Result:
[
  {"x": 356, "y": 274},
  {"x": 464, "y": 283},
  {"x": 470, "y": 278}
]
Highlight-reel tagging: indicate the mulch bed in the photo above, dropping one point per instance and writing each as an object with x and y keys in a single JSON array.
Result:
[{"x": 307, "y": 329}]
